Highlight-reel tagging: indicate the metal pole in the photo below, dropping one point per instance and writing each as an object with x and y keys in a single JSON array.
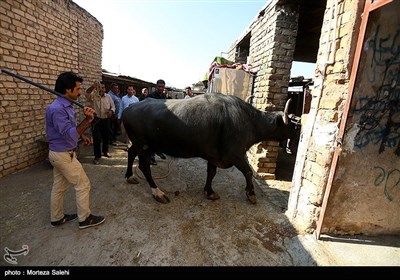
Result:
[{"x": 41, "y": 87}]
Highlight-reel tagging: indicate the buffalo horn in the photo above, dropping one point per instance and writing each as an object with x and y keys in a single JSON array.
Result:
[
  {"x": 286, "y": 112},
  {"x": 248, "y": 98}
]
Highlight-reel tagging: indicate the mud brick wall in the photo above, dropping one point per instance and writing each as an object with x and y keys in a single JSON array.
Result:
[{"x": 39, "y": 40}]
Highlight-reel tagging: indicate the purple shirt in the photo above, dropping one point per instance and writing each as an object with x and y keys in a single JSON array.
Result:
[{"x": 61, "y": 130}]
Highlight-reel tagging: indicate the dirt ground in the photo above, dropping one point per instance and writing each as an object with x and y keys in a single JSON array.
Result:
[{"x": 138, "y": 231}]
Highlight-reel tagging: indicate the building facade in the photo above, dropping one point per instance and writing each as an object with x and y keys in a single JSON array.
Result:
[{"x": 346, "y": 178}]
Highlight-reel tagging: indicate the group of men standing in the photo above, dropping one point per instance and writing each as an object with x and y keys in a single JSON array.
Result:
[
  {"x": 109, "y": 107},
  {"x": 63, "y": 133}
]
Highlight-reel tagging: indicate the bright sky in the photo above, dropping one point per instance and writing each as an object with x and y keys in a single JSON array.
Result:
[{"x": 174, "y": 40}]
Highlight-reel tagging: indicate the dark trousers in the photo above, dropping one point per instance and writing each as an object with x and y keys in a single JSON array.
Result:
[
  {"x": 115, "y": 130},
  {"x": 101, "y": 136}
]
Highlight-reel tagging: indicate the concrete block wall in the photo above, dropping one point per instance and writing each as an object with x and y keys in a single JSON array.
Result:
[
  {"x": 335, "y": 57},
  {"x": 272, "y": 44},
  {"x": 39, "y": 40}
]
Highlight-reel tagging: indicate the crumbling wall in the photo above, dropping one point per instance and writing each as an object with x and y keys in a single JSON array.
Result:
[
  {"x": 364, "y": 196},
  {"x": 365, "y": 193}
]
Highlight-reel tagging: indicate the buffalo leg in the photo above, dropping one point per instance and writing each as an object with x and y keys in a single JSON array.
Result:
[
  {"x": 144, "y": 166},
  {"x": 209, "y": 192},
  {"x": 132, "y": 153},
  {"x": 245, "y": 168}
]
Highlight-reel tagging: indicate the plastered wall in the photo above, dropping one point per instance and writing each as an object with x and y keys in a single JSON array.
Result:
[
  {"x": 365, "y": 197},
  {"x": 365, "y": 187}
]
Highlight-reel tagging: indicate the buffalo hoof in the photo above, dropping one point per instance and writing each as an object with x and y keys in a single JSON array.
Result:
[
  {"x": 132, "y": 180},
  {"x": 213, "y": 196},
  {"x": 162, "y": 199},
  {"x": 252, "y": 198}
]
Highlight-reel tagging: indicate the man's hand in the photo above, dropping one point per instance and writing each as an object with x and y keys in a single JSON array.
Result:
[
  {"x": 89, "y": 114},
  {"x": 96, "y": 85},
  {"x": 86, "y": 140}
]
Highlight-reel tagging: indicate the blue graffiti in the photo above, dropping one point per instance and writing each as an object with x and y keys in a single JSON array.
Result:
[
  {"x": 379, "y": 114},
  {"x": 386, "y": 178}
]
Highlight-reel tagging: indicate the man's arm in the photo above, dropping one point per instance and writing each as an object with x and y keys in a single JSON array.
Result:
[
  {"x": 123, "y": 106},
  {"x": 94, "y": 86},
  {"x": 81, "y": 128},
  {"x": 89, "y": 113}
]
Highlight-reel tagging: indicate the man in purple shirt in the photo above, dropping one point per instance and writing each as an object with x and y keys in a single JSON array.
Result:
[{"x": 63, "y": 134}]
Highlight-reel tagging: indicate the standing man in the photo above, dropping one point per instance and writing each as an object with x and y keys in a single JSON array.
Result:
[
  {"x": 189, "y": 93},
  {"x": 115, "y": 122},
  {"x": 105, "y": 109},
  {"x": 159, "y": 93},
  {"x": 62, "y": 134},
  {"x": 127, "y": 100}
]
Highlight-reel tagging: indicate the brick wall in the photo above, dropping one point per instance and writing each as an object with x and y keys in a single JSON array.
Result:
[
  {"x": 39, "y": 40},
  {"x": 334, "y": 61},
  {"x": 272, "y": 44}
]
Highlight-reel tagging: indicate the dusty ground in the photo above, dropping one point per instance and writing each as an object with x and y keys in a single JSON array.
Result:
[{"x": 138, "y": 231}]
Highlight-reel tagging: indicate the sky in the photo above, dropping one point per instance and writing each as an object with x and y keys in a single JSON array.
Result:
[{"x": 174, "y": 40}]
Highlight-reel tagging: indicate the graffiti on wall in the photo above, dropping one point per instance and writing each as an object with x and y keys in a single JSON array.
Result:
[
  {"x": 379, "y": 114},
  {"x": 390, "y": 179}
]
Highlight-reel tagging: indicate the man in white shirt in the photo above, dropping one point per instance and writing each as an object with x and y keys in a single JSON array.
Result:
[
  {"x": 127, "y": 100},
  {"x": 105, "y": 108},
  {"x": 189, "y": 93}
]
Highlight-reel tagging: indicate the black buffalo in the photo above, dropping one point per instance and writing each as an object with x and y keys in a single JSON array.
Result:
[{"x": 215, "y": 127}]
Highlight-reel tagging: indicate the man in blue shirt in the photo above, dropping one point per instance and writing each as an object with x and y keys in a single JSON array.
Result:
[
  {"x": 63, "y": 134},
  {"x": 126, "y": 101},
  {"x": 115, "y": 121}
]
